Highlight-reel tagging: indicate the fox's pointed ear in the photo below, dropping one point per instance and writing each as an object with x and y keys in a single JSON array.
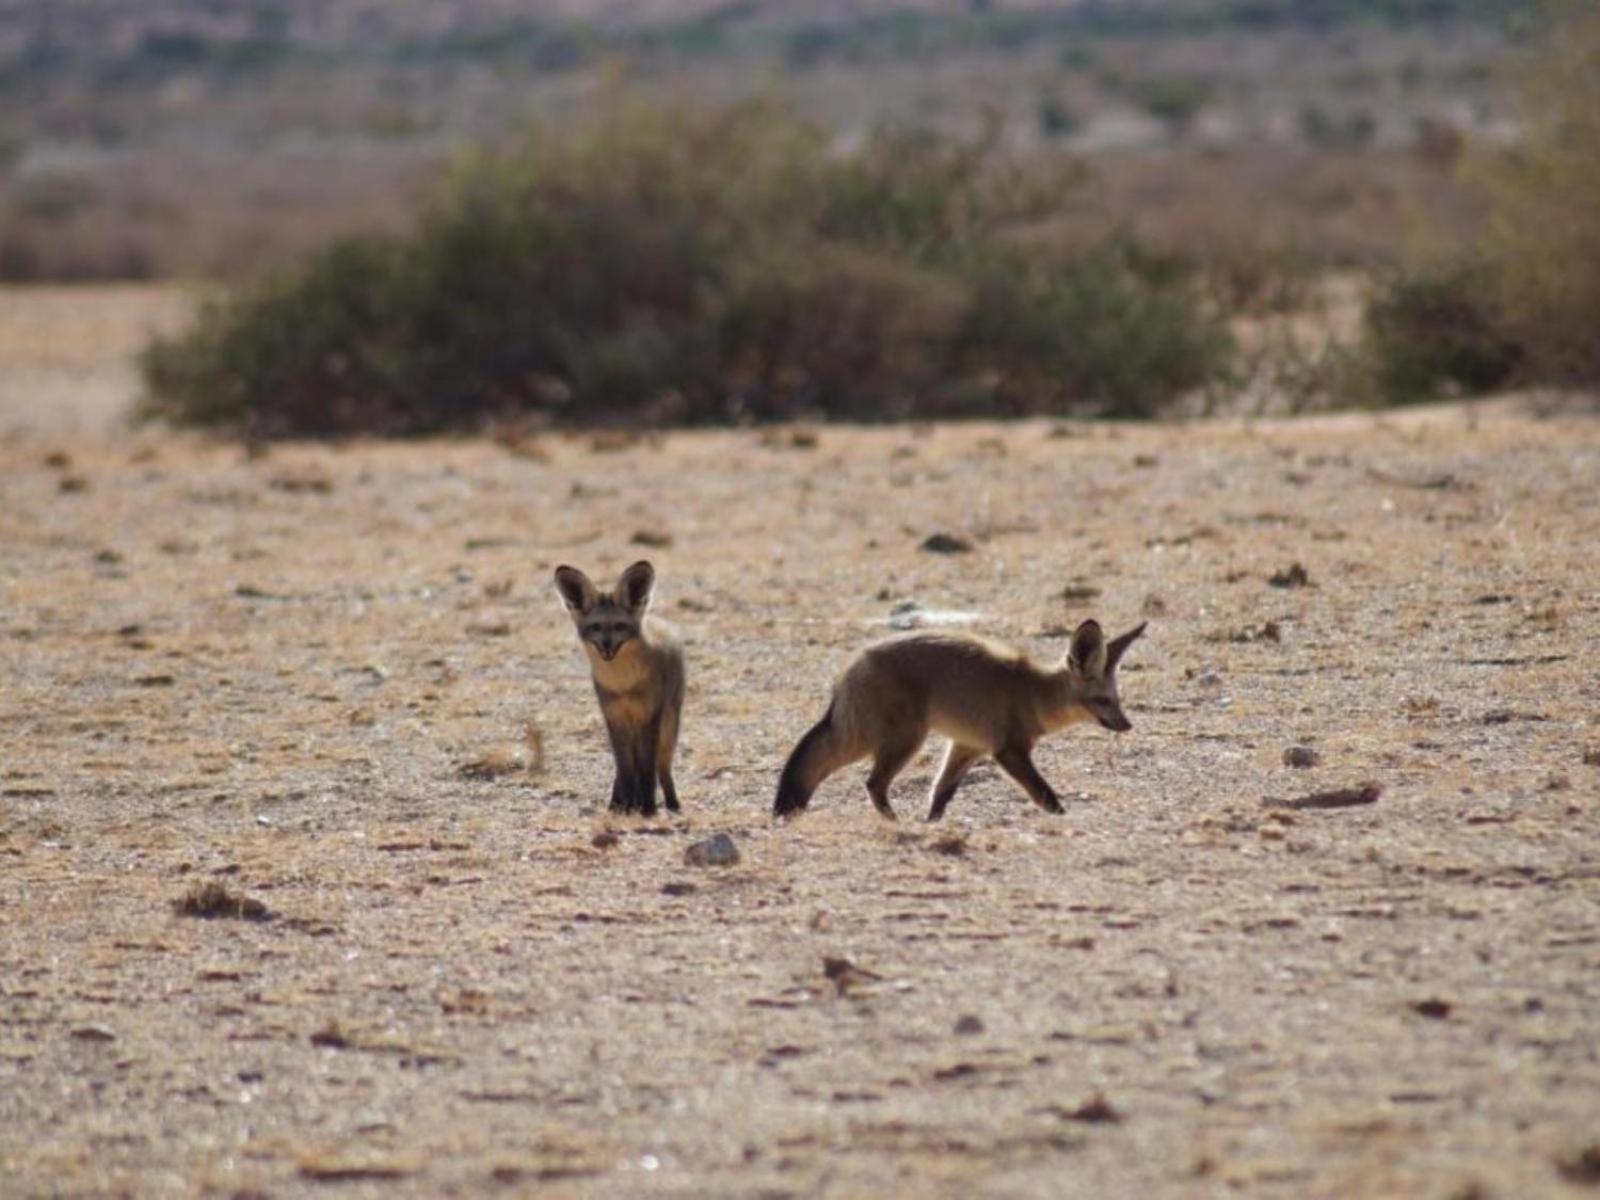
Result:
[
  {"x": 633, "y": 588},
  {"x": 579, "y": 594},
  {"x": 1117, "y": 645},
  {"x": 1087, "y": 653}
]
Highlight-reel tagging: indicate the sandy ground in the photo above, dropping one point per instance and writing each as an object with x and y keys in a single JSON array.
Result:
[{"x": 290, "y": 675}]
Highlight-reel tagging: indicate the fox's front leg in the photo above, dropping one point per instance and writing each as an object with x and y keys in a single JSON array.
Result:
[
  {"x": 1017, "y": 762},
  {"x": 634, "y": 748}
]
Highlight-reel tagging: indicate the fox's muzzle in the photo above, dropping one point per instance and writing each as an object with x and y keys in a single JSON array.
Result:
[{"x": 1117, "y": 724}]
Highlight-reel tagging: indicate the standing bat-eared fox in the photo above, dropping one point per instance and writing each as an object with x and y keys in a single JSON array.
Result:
[
  {"x": 638, "y": 675},
  {"x": 987, "y": 698}
]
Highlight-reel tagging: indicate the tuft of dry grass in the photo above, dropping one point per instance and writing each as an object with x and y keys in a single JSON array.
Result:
[{"x": 212, "y": 899}]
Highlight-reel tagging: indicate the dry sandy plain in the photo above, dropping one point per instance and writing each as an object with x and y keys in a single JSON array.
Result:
[{"x": 311, "y": 677}]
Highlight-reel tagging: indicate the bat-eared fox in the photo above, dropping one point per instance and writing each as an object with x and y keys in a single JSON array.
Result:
[
  {"x": 987, "y": 698},
  {"x": 638, "y": 675}
]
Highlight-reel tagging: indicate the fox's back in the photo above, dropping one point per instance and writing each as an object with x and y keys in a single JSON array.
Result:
[{"x": 969, "y": 688}]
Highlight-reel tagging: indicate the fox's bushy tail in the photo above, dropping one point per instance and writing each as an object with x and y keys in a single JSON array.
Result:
[{"x": 812, "y": 761}]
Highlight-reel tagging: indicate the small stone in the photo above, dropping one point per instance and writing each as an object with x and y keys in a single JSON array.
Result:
[
  {"x": 94, "y": 1033},
  {"x": 1292, "y": 576},
  {"x": 605, "y": 839},
  {"x": 1580, "y": 1165},
  {"x": 1433, "y": 1008},
  {"x": 968, "y": 1025},
  {"x": 1096, "y": 1110},
  {"x": 716, "y": 851},
  {"x": 946, "y": 543},
  {"x": 654, "y": 538},
  {"x": 1301, "y": 757}
]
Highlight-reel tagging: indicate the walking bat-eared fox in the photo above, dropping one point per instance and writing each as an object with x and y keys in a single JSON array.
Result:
[
  {"x": 638, "y": 675},
  {"x": 987, "y": 698}
]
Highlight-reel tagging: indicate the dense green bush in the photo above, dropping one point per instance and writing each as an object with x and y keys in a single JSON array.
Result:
[
  {"x": 1437, "y": 335},
  {"x": 699, "y": 266},
  {"x": 1523, "y": 304},
  {"x": 1544, "y": 236}
]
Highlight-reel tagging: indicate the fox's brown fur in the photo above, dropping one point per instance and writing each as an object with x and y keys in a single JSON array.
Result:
[
  {"x": 638, "y": 676},
  {"x": 987, "y": 698}
]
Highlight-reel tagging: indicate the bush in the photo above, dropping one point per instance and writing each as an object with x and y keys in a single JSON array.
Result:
[
  {"x": 1436, "y": 335},
  {"x": 699, "y": 265},
  {"x": 1544, "y": 236},
  {"x": 1523, "y": 306}
]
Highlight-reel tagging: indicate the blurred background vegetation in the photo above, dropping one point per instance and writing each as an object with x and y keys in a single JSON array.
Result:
[{"x": 421, "y": 215}]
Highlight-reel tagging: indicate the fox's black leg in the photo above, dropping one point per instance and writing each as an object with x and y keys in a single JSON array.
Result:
[
  {"x": 890, "y": 759},
  {"x": 635, "y": 752},
  {"x": 1017, "y": 762},
  {"x": 956, "y": 761}
]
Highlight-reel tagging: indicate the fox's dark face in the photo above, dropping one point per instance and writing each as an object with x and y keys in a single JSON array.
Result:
[
  {"x": 1093, "y": 663},
  {"x": 607, "y": 621}
]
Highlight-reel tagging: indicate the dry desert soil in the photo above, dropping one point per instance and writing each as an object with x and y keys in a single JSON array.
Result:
[{"x": 335, "y": 682}]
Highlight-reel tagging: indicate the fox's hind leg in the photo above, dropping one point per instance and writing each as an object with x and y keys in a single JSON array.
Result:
[
  {"x": 666, "y": 744},
  {"x": 888, "y": 761},
  {"x": 956, "y": 761},
  {"x": 1017, "y": 762}
]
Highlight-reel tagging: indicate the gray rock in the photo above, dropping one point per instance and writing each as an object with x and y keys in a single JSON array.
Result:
[{"x": 718, "y": 851}]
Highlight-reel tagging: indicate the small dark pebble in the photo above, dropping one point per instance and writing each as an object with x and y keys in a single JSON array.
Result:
[
  {"x": 93, "y": 1033},
  {"x": 654, "y": 538},
  {"x": 678, "y": 888},
  {"x": 1338, "y": 798},
  {"x": 605, "y": 839},
  {"x": 968, "y": 1025},
  {"x": 946, "y": 543},
  {"x": 1581, "y": 1165},
  {"x": 330, "y": 1035},
  {"x": 1096, "y": 1110},
  {"x": 954, "y": 845},
  {"x": 1433, "y": 1008},
  {"x": 155, "y": 681},
  {"x": 1292, "y": 576},
  {"x": 1301, "y": 757}
]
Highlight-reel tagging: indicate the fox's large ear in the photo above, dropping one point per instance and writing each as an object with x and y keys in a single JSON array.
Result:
[
  {"x": 579, "y": 594},
  {"x": 1087, "y": 653},
  {"x": 633, "y": 588},
  {"x": 1118, "y": 644}
]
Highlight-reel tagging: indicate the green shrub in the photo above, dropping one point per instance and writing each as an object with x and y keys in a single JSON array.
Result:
[
  {"x": 699, "y": 265},
  {"x": 1544, "y": 236},
  {"x": 1436, "y": 335}
]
